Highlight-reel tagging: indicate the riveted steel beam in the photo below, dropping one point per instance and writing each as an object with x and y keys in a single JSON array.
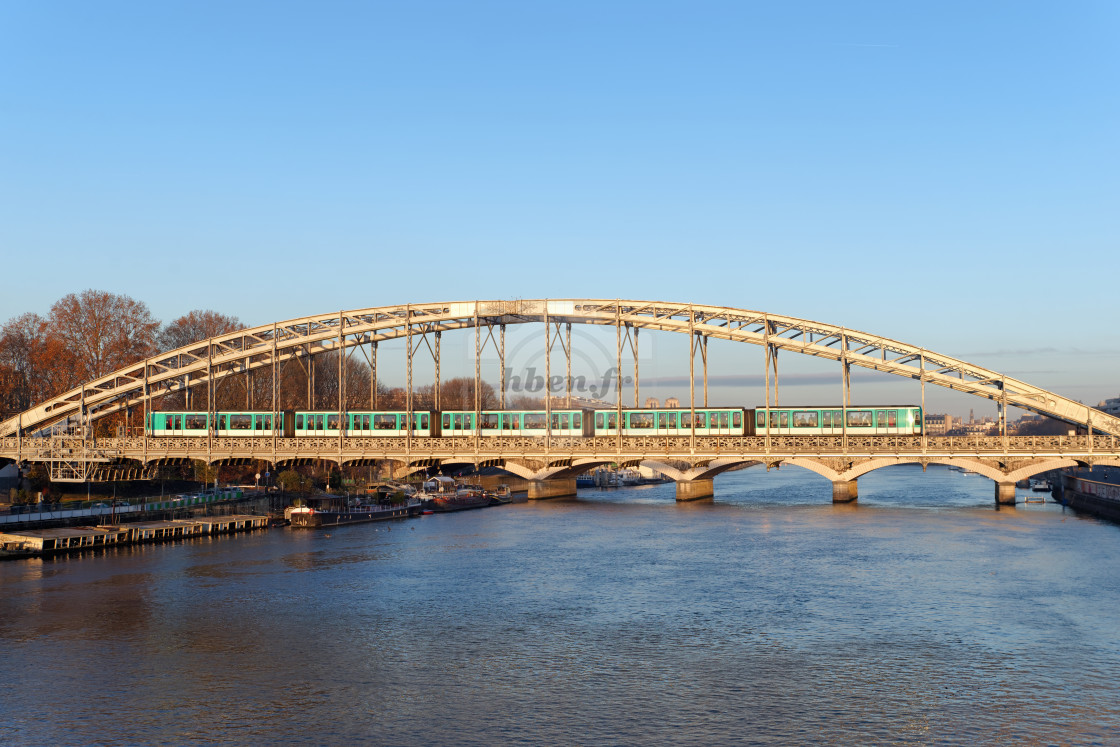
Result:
[{"x": 199, "y": 363}]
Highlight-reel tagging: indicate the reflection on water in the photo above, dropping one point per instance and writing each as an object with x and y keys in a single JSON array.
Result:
[{"x": 919, "y": 615}]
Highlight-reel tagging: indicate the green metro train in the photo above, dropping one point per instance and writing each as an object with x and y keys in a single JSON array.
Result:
[{"x": 833, "y": 420}]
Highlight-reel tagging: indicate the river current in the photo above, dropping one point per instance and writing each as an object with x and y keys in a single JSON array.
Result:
[{"x": 766, "y": 616}]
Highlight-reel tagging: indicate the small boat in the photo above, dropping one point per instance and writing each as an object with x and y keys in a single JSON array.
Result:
[
  {"x": 500, "y": 495},
  {"x": 1041, "y": 486}
]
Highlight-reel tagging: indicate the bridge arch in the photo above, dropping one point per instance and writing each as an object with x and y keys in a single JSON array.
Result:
[{"x": 273, "y": 344}]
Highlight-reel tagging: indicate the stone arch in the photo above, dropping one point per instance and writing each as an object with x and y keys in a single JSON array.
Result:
[{"x": 1051, "y": 464}]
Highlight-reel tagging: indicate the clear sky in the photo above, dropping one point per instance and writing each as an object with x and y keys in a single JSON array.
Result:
[{"x": 945, "y": 173}]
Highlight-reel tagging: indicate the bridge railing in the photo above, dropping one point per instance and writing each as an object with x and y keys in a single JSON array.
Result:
[{"x": 263, "y": 447}]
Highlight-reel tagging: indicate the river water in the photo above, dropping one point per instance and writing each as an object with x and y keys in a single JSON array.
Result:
[{"x": 921, "y": 615}]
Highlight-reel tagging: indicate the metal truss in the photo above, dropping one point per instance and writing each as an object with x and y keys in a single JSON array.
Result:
[{"x": 208, "y": 361}]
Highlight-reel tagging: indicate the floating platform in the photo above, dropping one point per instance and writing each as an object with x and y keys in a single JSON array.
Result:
[{"x": 34, "y": 542}]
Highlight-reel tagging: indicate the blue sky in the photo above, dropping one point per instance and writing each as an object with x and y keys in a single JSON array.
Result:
[{"x": 943, "y": 173}]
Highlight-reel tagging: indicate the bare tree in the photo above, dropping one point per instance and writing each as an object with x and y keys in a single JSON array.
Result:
[
  {"x": 104, "y": 331},
  {"x": 197, "y": 325}
]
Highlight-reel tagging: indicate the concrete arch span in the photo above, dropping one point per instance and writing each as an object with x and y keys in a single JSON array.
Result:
[{"x": 245, "y": 350}]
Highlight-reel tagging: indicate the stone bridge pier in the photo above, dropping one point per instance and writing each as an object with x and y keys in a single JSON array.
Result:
[
  {"x": 694, "y": 490},
  {"x": 844, "y": 491},
  {"x": 556, "y": 487}
]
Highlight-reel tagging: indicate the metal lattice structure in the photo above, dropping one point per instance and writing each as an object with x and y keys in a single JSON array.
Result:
[{"x": 268, "y": 346}]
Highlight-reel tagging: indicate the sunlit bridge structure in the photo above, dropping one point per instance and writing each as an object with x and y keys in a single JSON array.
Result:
[{"x": 60, "y": 431}]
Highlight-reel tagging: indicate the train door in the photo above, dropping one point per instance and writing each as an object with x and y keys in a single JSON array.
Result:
[
  {"x": 720, "y": 424},
  {"x": 886, "y": 421}
]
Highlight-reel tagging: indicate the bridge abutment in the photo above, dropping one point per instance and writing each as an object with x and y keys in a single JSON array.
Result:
[
  {"x": 844, "y": 491},
  {"x": 1005, "y": 494},
  {"x": 557, "y": 487},
  {"x": 694, "y": 490}
]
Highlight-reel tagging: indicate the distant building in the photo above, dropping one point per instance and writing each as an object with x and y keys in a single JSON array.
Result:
[
  {"x": 1110, "y": 406},
  {"x": 652, "y": 403},
  {"x": 672, "y": 402},
  {"x": 938, "y": 424}
]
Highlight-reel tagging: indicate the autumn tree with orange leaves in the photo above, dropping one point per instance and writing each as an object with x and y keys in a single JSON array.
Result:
[{"x": 103, "y": 331}]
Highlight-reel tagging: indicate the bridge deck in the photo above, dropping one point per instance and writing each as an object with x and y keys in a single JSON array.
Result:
[{"x": 470, "y": 449}]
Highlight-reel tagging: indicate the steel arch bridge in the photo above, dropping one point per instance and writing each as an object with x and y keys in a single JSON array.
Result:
[{"x": 206, "y": 362}]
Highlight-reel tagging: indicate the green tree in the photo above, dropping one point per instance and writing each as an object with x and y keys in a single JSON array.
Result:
[
  {"x": 205, "y": 473},
  {"x": 291, "y": 481}
]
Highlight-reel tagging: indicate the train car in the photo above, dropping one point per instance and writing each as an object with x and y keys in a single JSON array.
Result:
[
  {"x": 364, "y": 423},
  {"x": 224, "y": 423},
  {"x": 493, "y": 423},
  {"x": 178, "y": 423},
  {"x": 384, "y": 423},
  {"x": 863, "y": 420},
  {"x": 710, "y": 421},
  {"x": 254, "y": 423}
]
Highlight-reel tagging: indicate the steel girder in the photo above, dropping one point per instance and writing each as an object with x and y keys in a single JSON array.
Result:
[{"x": 247, "y": 349}]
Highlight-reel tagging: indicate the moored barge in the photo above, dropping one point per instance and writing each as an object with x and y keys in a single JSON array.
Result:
[
  {"x": 1094, "y": 491},
  {"x": 330, "y": 512}
]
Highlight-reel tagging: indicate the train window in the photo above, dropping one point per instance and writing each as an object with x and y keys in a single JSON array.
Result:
[
  {"x": 826, "y": 418},
  {"x": 577, "y": 420},
  {"x": 489, "y": 421},
  {"x": 701, "y": 420},
  {"x": 662, "y": 420},
  {"x": 860, "y": 418},
  {"x": 534, "y": 421},
  {"x": 509, "y": 421},
  {"x": 555, "y": 421},
  {"x": 737, "y": 420},
  {"x": 171, "y": 420},
  {"x": 239, "y": 422},
  {"x": 686, "y": 420},
  {"x": 805, "y": 419},
  {"x": 299, "y": 422},
  {"x": 266, "y": 422},
  {"x": 881, "y": 418},
  {"x": 194, "y": 422},
  {"x": 724, "y": 419},
  {"x": 759, "y": 419},
  {"x": 641, "y": 420},
  {"x": 892, "y": 421},
  {"x": 423, "y": 421},
  {"x": 332, "y": 422},
  {"x": 612, "y": 420},
  {"x": 457, "y": 421},
  {"x": 447, "y": 420},
  {"x": 389, "y": 422},
  {"x": 773, "y": 418},
  {"x": 599, "y": 420},
  {"x": 837, "y": 419},
  {"x": 785, "y": 419},
  {"x": 565, "y": 420}
]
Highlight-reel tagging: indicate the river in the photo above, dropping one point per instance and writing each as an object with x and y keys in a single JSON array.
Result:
[{"x": 919, "y": 615}]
